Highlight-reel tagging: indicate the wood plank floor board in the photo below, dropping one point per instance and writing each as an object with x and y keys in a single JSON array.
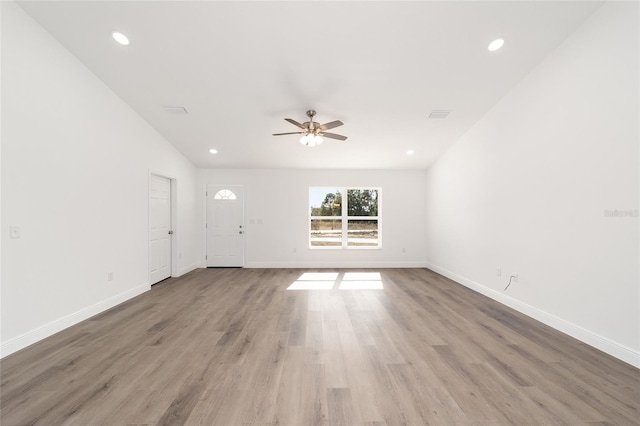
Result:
[
  {"x": 503, "y": 396},
  {"x": 213, "y": 399},
  {"x": 360, "y": 377},
  {"x": 610, "y": 407},
  {"x": 234, "y": 346},
  {"x": 385, "y": 346},
  {"x": 453, "y": 373},
  {"x": 39, "y": 363},
  {"x": 393, "y": 409},
  {"x": 545, "y": 382},
  {"x": 360, "y": 325},
  {"x": 556, "y": 408},
  {"x": 37, "y": 401},
  {"x": 289, "y": 399},
  {"x": 340, "y": 407},
  {"x": 297, "y": 326},
  {"x": 314, "y": 352},
  {"x": 264, "y": 382},
  {"x": 314, "y": 405},
  {"x": 427, "y": 403},
  {"x": 335, "y": 363}
]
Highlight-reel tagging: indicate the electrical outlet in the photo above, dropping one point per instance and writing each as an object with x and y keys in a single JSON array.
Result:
[
  {"x": 109, "y": 276},
  {"x": 404, "y": 250},
  {"x": 499, "y": 271}
]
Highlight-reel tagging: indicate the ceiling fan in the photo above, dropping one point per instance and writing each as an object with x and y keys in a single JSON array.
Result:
[{"x": 312, "y": 132}]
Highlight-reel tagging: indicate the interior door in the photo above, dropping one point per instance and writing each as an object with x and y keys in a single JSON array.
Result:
[
  {"x": 159, "y": 229},
  {"x": 225, "y": 226}
]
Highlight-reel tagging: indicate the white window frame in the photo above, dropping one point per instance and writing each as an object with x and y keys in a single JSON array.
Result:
[{"x": 344, "y": 217}]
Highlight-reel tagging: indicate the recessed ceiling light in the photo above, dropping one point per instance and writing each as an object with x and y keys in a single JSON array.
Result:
[
  {"x": 411, "y": 152},
  {"x": 495, "y": 44},
  {"x": 213, "y": 151},
  {"x": 120, "y": 38}
]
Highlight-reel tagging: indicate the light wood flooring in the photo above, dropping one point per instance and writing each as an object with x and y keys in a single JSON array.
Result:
[{"x": 235, "y": 347}]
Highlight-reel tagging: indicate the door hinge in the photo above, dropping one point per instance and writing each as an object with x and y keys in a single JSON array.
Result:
[{"x": 206, "y": 257}]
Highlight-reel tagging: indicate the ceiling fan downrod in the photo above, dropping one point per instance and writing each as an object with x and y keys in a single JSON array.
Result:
[{"x": 311, "y": 113}]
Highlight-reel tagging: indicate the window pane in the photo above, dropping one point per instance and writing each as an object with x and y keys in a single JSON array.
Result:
[
  {"x": 326, "y": 233},
  {"x": 362, "y": 233},
  {"x": 325, "y": 202},
  {"x": 362, "y": 202}
]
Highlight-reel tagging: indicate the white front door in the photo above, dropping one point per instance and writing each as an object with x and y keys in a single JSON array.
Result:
[
  {"x": 225, "y": 225},
  {"x": 159, "y": 229}
]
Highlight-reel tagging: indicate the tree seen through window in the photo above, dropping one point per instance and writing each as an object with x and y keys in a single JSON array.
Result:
[{"x": 354, "y": 224}]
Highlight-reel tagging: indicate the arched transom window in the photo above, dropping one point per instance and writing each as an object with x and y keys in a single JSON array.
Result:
[{"x": 224, "y": 194}]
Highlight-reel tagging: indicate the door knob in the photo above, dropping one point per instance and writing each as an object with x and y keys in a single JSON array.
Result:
[
  {"x": 240, "y": 232},
  {"x": 170, "y": 232}
]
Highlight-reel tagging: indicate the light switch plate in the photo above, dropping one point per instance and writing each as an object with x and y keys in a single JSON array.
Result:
[{"x": 14, "y": 232}]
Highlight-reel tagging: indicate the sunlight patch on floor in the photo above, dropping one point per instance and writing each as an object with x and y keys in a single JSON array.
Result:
[
  {"x": 338, "y": 280},
  {"x": 361, "y": 285},
  {"x": 361, "y": 281}
]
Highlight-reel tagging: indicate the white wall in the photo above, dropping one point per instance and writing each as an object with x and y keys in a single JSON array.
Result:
[
  {"x": 527, "y": 189},
  {"x": 280, "y": 199},
  {"x": 75, "y": 169}
]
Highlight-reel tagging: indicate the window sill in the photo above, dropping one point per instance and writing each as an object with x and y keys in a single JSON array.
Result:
[{"x": 345, "y": 248}]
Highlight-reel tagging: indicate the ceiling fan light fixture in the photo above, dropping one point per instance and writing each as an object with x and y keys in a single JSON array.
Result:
[{"x": 311, "y": 140}]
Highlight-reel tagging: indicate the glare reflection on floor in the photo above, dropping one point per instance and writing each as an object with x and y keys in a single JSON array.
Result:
[
  {"x": 339, "y": 280},
  {"x": 361, "y": 285},
  {"x": 311, "y": 285}
]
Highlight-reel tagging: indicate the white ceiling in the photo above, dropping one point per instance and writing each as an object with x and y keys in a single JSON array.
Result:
[{"x": 380, "y": 67}]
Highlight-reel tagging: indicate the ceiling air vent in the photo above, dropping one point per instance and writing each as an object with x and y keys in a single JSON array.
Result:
[
  {"x": 178, "y": 110},
  {"x": 439, "y": 114}
]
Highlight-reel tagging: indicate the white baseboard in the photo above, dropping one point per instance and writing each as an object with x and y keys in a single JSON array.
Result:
[
  {"x": 187, "y": 269},
  {"x": 44, "y": 331},
  {"x": 608, "y": 346},
  {"x": 324, "y": 265}
]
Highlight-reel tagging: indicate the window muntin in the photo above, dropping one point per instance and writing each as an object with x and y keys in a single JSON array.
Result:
[{"x": 334, "y": 223}]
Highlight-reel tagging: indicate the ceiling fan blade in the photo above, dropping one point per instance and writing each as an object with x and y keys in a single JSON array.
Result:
[
  {"x": 288, "y": 133},
  {"x": 333, "y": 136},
  {"x": 331, "y": 125},
  {"x": 295, "y": 123}
]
